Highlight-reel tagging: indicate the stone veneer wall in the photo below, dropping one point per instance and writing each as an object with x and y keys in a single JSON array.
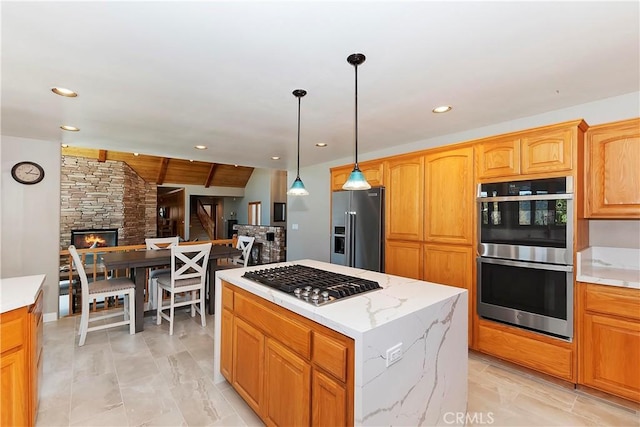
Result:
[
  {"x": 105, "y": 195},
  {"x": 271, "y": 251}
]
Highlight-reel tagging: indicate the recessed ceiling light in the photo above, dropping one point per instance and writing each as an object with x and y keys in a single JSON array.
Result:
[
  {"x": 275, "y": 157},
  {"x": 191, "y": 160},
  {"x": 64, "y": 92},
  {"x": 201, "y": 147},
  {"x": 136, "y": 154},
  {"x": 235, "y": 166},
  {"x": 65, "y": 145},
  {"x": 442, "y": 109},
  {"x": 69, "y": 128},
  {"x": 321, "y": 144}
]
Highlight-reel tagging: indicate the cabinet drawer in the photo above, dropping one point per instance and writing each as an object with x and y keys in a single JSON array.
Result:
[
  {"x": 544, "y": 357},
  {"x": 227, "y": 297},
  {"x": 612, "y": 300},
  {"x": 292, "y": 334},
  {"x": 331, "y": 355},
  {"x": 12, "y": 329}
]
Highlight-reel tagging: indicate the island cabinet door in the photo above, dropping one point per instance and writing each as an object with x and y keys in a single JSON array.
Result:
[
  {"x": 226, "y": 355},
  {"x": 248, "y": 363},
  {"x": 329, "y": 405},
  {"x": 287, "y": 387}
]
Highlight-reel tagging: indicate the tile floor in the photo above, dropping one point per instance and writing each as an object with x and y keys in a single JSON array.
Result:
[{"x": 151, "y": 378}]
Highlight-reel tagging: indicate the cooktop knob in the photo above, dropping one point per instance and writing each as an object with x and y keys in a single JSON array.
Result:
[
  {"x": 315, "y": 298},
  {"x": 316, "y": 290},
  {"x": 307, "y": 288},
  {"x": 297, "y": 292},
  {"x": 305, "y": 294},
  {"x": 325, "y": 295}
]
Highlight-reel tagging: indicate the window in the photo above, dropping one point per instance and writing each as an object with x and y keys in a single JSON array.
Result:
[{"x": 255, "y": 213}]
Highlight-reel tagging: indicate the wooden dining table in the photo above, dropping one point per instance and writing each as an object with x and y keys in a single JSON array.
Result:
[{"x": 138, "y": 261}]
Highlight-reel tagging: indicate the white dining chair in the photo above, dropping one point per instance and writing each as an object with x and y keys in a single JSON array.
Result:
[
  {"x": 245, "y": 243},
  {"x": 188, "y": 276},
  {"x": 156, "y": 244},
  {"x": 104, "y": 289}
]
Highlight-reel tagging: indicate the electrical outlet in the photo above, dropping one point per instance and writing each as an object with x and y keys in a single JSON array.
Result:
[
  {"x": 294, "y": 226},
  {"x": 394, "y": 354}
]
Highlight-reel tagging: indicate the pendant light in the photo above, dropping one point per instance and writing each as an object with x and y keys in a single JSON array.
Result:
[
  {"x": 356, "y": 180},
  {"x": 297, "y": 188}
]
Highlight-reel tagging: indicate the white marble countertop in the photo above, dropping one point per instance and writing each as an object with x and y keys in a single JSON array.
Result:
[
  {"x": 356, "y": 315},
  {"x": 609, "y": 266},
  {"x": 16, "y": 292}
]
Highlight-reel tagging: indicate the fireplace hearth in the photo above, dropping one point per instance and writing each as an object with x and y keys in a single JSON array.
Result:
[{"x": 94, "y": 238}]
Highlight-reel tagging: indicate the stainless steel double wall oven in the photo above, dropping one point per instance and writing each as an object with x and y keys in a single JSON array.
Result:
[{"x": 525, "y": 267}]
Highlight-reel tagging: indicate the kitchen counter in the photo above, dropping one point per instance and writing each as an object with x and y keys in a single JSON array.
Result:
[
  {"x": 428, "y": 319},
  {"x": 16, "y": 292},
  {"x": 609, "y": 266}
]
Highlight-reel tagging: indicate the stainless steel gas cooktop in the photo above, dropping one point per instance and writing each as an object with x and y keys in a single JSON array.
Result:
[{"x": 315, "y": 286}]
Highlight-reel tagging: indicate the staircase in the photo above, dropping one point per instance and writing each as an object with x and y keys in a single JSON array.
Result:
[{"x": 196, "y": 230}]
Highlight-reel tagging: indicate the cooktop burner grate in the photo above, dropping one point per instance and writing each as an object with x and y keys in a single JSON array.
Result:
[{"x": 311, "y": 284}]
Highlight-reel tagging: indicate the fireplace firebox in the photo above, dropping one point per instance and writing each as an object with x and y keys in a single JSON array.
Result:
[{"x": 94, "y": 238}]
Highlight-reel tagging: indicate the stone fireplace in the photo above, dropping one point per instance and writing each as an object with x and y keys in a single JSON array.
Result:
[{"x": 105, "y": 196}]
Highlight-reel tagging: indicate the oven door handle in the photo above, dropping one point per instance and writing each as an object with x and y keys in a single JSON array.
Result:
[
  {"x": 532, "y": 197},
  {"x": 534, "y": 265}
]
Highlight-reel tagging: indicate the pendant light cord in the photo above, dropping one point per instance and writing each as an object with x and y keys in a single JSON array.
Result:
[
  {"x": 356, "y": 164},
  {"x": 299, "y": 100}
]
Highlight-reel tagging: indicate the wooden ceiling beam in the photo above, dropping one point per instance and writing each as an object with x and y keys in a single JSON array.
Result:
[
  {"x": 212, "y": 171},
  {"x": 102, "y": 156},
  {"x": 164, "y": 164}
]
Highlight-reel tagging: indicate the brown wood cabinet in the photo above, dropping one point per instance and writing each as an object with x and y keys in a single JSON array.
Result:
[
  {"x": 498, "y": 157},
  {"x": 612, "y": 172},
  {"x": 404, "y": 204},
  {"x": 544, "y": 354},
  {"x": 248, "y": 363},
  {"x": 276, "y": 354},
  {"x": 404, "y": 258},
  {"x": 20, "y": 363},
  {"x": 545, "y": 150},
  {"x": 609, "y": 346},
  {"x": 449, "y": 196},
  {"x": 286, "y": 374},
  {"x": 373, "y": 171},
  {"x": 451, "y": 265}
]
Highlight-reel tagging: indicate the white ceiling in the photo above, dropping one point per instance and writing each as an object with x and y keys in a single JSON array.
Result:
[{"x": 160, "y": 77}]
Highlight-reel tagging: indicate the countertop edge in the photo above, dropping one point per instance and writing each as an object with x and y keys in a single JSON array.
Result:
[{"x": 18, "y": 292}]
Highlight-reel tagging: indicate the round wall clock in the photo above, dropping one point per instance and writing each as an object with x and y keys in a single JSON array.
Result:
[{"x": 27, "y": 173}]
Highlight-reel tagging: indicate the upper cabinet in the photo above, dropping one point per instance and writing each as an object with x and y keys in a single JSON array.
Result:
[
  {"x": 449, "y": 196},
  {"x": 545, "y": 150},
  {"x": 373, "y": 171},
  {"x": 498, "y": 157},
  {"x": 404, "y": 178},
  {"x": 612, "y": 173}
]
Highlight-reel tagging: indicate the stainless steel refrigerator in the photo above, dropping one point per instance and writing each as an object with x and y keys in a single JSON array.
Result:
[{"x": 357, "y": 228}]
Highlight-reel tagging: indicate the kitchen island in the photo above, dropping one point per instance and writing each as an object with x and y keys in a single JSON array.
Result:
[{"x": 421, "y": 326}]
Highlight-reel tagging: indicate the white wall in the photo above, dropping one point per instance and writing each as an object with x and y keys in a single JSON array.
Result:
[
  {"x": 30, "y": 217},
  {"x": 312, "y": 214},
  {"x": 258, "y": 189}
]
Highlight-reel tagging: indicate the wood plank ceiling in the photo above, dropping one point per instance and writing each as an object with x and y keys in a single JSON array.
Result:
[{"x": 160, "y": 170}]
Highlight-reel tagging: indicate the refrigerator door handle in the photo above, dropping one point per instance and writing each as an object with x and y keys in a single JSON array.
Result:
[{"x": 352, "y": 239}]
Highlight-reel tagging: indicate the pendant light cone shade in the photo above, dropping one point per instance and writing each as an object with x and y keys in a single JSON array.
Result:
[
  {"x": 356, "y": 180},
  {"x": 297, "y": 188}
]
